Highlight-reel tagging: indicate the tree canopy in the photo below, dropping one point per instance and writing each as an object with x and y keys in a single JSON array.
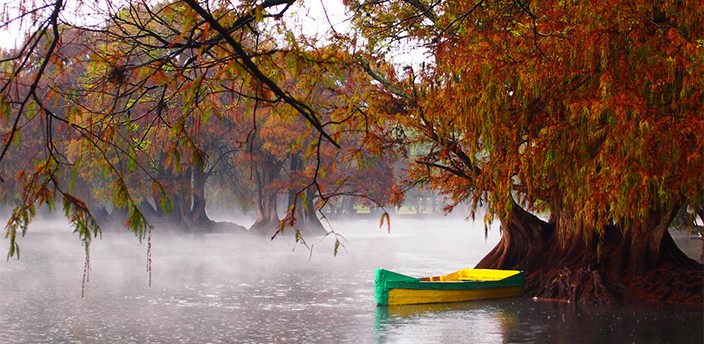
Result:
[
  {"x": 578, "y": 125},
  {"x": 590, "y": 114}
]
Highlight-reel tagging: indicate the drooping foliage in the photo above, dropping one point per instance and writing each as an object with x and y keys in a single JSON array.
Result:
[
  {"x": 142, "y": 85},
  {"x": 577, "y": 124},
  {"x": 141, "y": 108},
  {"x": 588, "y": 113}
]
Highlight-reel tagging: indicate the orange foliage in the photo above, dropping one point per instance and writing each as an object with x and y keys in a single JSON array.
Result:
[{"x": 594, "y": 109}]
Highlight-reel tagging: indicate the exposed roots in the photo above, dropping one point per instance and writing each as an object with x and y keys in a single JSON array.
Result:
[
  {"x": 614, "y": 268},
  {"x": 579, "y": 284},
  {"x": 668, "y": 284},
  {"x": 595, "y": 286}
]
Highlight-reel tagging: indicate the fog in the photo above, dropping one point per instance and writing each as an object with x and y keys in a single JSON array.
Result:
[
  {"x": 214, "y": 273},
  {"x": 180, "y": 259},
  {"x": 223, "y": 288}
]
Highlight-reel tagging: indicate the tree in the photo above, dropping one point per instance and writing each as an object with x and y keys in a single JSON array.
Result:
[
  {"x": 146, "y": 80},
  {"x": 589, "y": 115},
  {"x": 578, "y": 125},
  {"x": 147, "y": 58},
  {"x": 307, "y": 168}
]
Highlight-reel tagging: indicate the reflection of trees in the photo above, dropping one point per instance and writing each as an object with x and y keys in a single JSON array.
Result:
[{"x": 527, "y": 321}]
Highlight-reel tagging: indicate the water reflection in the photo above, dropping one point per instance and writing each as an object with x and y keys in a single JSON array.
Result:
[
  {"x": 223, "y": 288},
  {"x": 451, "y": 321},
  {"x": 521, "y": 320}
]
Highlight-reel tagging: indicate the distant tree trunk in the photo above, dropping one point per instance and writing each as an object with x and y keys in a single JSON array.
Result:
[
  {"x": 148, "y": 210},
  {"x": 562, "y": 261},
  {"x": 265, "y": 195},
  {"x": 101, "y": 215},
  {"x": 306, "y": 219},
  {"x": 172, "y": 186},
  {"x": 96, "y": 208},
  {"x": 346, "y": 206},
  {"x": 179, "y": 189},
  {"x": 197, "y": 217},
  {"x": 118, "y": 215},
  {"x": 187, "y": 195}
]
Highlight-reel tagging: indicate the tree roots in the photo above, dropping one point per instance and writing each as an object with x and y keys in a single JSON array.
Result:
[{"x": 583, "y": 284}]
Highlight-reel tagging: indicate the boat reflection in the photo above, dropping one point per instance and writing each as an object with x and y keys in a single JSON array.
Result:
[{"x": 412, "y": 323}]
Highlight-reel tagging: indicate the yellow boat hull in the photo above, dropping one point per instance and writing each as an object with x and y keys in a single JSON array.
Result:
[{"x": 418, "y": 296}]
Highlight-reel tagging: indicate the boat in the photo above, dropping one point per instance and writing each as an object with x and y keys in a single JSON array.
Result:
[{"x": 393, "y": 288}]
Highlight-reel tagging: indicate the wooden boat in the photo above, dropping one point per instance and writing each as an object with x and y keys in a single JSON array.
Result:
[{"x": 464, "y": 285}]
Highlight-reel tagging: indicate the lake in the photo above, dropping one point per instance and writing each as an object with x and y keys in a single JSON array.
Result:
[{"x": 226, "y": 288}]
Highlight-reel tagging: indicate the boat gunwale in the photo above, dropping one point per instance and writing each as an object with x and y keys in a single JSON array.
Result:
[{"x": 513, "y": 281}]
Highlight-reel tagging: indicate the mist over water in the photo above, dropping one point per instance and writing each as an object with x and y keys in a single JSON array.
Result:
[{"x": 227, "y": 288}]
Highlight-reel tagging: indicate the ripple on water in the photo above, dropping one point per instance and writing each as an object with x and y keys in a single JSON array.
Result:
[{"x": 226, "y": 297}]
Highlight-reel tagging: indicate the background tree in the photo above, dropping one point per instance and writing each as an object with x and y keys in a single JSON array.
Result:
[
  {"x": 310, "y": 170},
  {"x": 146, "y": 57},
  {"x": 146, "y": 79}
]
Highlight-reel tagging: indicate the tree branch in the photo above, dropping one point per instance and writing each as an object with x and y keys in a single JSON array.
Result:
[
  {"x": 53, "y": 21},
  {"x": 303, "y": 109}
]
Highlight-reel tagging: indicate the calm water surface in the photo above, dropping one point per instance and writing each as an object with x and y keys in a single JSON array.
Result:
[{"x": 223, "y": 288}]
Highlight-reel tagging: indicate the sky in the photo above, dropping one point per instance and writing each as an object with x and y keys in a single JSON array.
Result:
[
  {"x": 316, "y": 16},
  {"x": 13, "y": 31}
]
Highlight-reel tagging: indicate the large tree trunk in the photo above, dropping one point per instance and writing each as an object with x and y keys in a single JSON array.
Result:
[
  {"x": 306, "y": 219},
  {"x": 197, "y": 217},
  {"x": 187, "y": 194},
  {"x": 265, "y": 195},
  {"x": 622, "y": 264},
  {"x": 184, "y": 197},
  {"x": 174, "y": 186}
]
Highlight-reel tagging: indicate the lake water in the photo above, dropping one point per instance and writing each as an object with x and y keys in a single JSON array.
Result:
[{"x": 224, "y": 288}]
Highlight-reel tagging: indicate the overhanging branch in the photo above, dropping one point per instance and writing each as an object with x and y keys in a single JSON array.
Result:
[{"x": 246, "y": 61}]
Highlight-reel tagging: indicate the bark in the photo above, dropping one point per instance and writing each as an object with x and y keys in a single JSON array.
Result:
[
  {"x": 306, "y": 219},
  {"x": 304, "y": 216},
  {"x": 523, "y": 237},
  {"x": 148, "y": 210},
  {"x": 265, "y": 195},
  {"x": 188, "y": 200},
  {"x": 100, "y": 214},
  {"x": 184, "y": 198},
  {"x": 197, "y": 217},
  {"x": 640, "y": 263},
  {"x": 173, "y": 183}
]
